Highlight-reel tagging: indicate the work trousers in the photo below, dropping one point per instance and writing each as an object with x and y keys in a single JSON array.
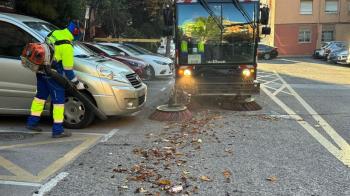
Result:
[{"x": 46, "y": 86}]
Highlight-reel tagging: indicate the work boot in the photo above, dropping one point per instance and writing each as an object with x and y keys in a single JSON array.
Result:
[
  {"x": 63, "y": 134},
  {"x": 34, "y": 128}
]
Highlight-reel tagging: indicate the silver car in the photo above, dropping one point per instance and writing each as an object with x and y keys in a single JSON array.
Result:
[{"x": 112, "y": 86}]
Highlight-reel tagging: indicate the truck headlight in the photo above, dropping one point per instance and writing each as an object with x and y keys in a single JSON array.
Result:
[
  {"x": 109, "y": 74},
  {"x": 246, "y": 73}
]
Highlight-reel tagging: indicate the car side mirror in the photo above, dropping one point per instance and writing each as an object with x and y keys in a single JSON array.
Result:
[
  {"x": 266, "y": 31},
  {"x": 264, "y": 15}
]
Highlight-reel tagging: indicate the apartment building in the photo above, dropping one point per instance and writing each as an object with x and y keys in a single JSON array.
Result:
[{"x": 302, "y": 25}]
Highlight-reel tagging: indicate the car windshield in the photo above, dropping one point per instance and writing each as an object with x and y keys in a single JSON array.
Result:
[
  {"x": 139, "y": 49},
  {"x": 82, "y": 51},
  {"x": 109, "y": 50},
  {"x": 218, "y": 35},
  {"x": 131, "y": 50},
  {"x": 43, "y": 28}
]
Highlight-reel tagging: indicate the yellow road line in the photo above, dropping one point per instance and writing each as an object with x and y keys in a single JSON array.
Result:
[
  {"x": 51, "y": 141},
  {"x": 14, "y": 169},
  {"x": 67, "y": 158}
]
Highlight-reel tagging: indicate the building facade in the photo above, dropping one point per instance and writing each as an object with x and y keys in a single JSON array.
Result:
[{"x": 301, "y": 26}]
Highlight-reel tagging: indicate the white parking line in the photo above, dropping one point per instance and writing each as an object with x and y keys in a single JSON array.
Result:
[
  {"x": 51, "y": 184},
  {"x": 341, "y": 152},
  {"x": 15, "y": 183},
  {"x": 324, "y": 124},
  {"x": 106, "y": 137}
]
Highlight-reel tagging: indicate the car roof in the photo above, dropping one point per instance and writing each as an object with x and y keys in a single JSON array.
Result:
[{"x": 20, "y": 18}]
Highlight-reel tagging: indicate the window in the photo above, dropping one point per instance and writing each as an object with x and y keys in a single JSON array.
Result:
[
  {"x": 306, "y": 7},
  {"x": 304, "y": 36},
  {"x": 13, "y": 40},
  {"x": 331, "y": 6},
  {"x": 327, "y": 36}
]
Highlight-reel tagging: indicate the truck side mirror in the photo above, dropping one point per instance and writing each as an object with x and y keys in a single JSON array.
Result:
[
  {"x": 264, "y": 15},
  {"x": 266, "y": 31}
]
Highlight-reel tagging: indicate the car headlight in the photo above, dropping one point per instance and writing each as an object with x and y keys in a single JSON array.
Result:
[
  {"x": 109, "y": 74},
  {"x": 134, "y": 64},
  {"x": 160, "y": 62}
]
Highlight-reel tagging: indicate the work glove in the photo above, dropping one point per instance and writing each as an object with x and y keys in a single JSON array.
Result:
[{"x": 79, "y": 85}]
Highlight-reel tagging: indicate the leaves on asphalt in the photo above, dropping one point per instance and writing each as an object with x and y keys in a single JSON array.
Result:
[
  {"x": 205, "y": 178},
  {"x": 165, "y": 164},
  {"x": 140, "y": 190},
  {"x": 164, "y": 182},
  {"x": 272, "y": 178}
]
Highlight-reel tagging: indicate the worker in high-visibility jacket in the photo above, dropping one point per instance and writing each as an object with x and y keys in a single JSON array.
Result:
[{"x": 46, "y": 86}]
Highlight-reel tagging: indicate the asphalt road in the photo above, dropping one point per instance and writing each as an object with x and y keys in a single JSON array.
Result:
[{"x": 298, "y": 144}]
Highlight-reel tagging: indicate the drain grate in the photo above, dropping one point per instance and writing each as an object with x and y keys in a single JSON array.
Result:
[{"x": 13, "y": 136}]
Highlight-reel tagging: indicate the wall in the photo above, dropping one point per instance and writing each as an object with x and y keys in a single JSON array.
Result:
[{"x": 286, "y": 39}]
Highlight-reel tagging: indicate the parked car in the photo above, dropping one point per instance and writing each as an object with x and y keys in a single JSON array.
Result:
[
  {"x": 160, "y": 66},
  {"x": 139, "y": 66},
  {"x": 340, "y": 56},
  {"x": 332, "y": 46},
  {"x": 318, "y": 53},
  {"x": 267, "y": 52},
  {"x": 112, "y": 86}
]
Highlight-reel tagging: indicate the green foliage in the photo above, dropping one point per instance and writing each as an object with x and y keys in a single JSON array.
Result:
[
  {"x": 56, "y": 11},
  {"x": 126, "y": 18}
]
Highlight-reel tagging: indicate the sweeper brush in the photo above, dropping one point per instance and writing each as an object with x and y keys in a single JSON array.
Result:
[
  {"x": 171, "y": 113},
  {"x": 175, "y": 110}
]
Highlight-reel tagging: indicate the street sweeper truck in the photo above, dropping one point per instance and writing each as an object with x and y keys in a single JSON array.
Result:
[{"x": 216, "y": 46}]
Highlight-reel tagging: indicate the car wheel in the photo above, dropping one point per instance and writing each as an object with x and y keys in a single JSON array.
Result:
[
  {"x": 267, "y": 56},
  {"x": 148, "y": 73},
  {"x": 76, "y": 114},
  {"x": 152, "y": 73}
]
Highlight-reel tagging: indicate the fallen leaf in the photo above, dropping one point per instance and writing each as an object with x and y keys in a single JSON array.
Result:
[
  {"x": 140, "y": 190},
  {"x": 227, "y": 173},
  {"x": 164, "y": 182},
  {"x": 195, "y": 189},
  {"x": 272, "y": 179},
  {"x": 176, "y": 189},
  {"x": 205, "y": 178},
  {"x": 120, "y": 170},
  {"x": 124, "y": 187}
]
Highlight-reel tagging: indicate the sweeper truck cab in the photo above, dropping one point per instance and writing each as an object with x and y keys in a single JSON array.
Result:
[{"x": 216, "y": 46}]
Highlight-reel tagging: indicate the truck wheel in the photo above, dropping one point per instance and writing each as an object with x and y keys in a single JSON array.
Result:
[{"x": 76, "y": 114}]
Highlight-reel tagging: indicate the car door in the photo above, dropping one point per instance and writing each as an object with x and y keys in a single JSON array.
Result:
[{"x": 17, "y": 84}]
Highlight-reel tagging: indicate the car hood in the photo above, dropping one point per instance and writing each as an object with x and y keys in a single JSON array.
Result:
[
  {"x": 156, "y": 57},
  {"x": 129, "y": 59},
  {"x": 92, "y": 62}
]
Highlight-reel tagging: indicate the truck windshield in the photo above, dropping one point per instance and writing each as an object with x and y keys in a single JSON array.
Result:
[{"x": 223, "y": 37}]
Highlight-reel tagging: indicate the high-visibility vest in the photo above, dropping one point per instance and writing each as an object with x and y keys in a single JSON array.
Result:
[
  {"x": 184, "y": 46},
  {"x": 63, "y": 52},
  {"x": 201, "y": 47}
]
